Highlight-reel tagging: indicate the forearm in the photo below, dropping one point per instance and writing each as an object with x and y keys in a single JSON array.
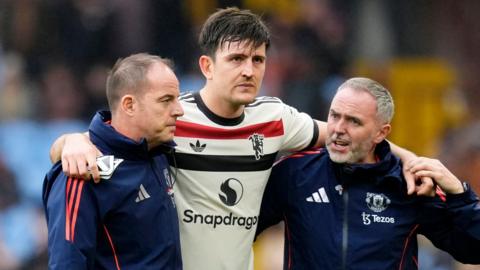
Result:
[
  {"x": 322, "y": 133},
  {"x": 56, "y": 149},
  {"x": 400, "y": 152}
]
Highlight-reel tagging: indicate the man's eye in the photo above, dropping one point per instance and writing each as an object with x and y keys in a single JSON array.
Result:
[
  {"x": 259, "y": 60},
  {"x": 355, "y": 122}
]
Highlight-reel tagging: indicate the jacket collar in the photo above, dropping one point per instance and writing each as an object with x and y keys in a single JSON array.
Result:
[
  {"x": 108, "y": 140},
  {"x": 388, "y": 168}
]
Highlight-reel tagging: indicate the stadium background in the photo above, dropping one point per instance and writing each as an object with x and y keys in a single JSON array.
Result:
[{"x": 54, "y": 55}]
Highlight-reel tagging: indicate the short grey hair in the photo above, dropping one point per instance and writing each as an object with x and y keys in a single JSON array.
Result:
[
  {"x": 130, "y": 74},
  {"x": 385, "y": 106}
]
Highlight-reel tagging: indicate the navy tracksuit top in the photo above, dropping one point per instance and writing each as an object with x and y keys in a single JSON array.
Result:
[
  {"x": 360, "y": 217},
  {"x": 126, "y": 222}
]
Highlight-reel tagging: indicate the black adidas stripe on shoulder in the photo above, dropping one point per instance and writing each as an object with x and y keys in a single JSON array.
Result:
[
  {"x": 263, "y": 100},
  {"x": 187, "y": 97}
]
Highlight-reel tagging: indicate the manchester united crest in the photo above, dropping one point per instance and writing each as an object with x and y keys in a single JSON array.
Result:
[
  {"x": 257, "y": 144},
  {"x": 377, "y": 202}
]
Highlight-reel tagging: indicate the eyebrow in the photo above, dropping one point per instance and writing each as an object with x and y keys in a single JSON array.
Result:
[
  {"x": 348, "y": 117},
  {"x": 165, "y": 96},
  {"x": 243, "y": 54}
]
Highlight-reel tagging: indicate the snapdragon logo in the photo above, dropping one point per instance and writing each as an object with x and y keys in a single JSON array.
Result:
[
  {"x": 189, "y": 216},
  {"x": 231, "y": 191}
]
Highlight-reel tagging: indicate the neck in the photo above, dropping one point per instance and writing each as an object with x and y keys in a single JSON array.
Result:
[
  {"x": 123, "y": 126},
  {"x": 219, "y": 106},
  {"x": 370, "y": 159}
]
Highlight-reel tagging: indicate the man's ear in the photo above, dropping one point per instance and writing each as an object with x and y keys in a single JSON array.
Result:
[
  {"x": 382, "y": 133},
  {"x": 206, "y": 66},
  {"x": 128, "y": 104}
]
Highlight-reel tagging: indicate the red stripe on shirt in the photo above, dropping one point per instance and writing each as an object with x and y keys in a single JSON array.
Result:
[
  {"x": 441, "y": 194},
  {"x": 299, "y": 154},
  {"x": 188, "y": 129},
  {"x": 113, "y": 247},
  {"x": 410, "y": 235},
  {"x": 287, "y": 230},
  {"x": 67, "y": 210},
  {"x": 75, "y": 211}
]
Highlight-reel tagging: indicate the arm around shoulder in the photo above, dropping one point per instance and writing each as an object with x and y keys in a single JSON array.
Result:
[{"x": 78, "y": 155}]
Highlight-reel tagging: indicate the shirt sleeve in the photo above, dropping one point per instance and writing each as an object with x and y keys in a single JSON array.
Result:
[
  {"x": 454, "y": 226},
  {"x": 275, "y": 197},
  {"x": 301, "y": 131},
  {"x": 72, "y": 224}
]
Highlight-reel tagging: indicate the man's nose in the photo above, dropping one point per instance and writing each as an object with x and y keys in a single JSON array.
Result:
[
  {"x": 177, "y": 110},
  {"x": 339, "y": 126},
  {"x": 247, "y": 69}
]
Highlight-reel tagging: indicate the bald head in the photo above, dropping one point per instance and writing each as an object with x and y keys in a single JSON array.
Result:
[{"x": 129, "y": 75}]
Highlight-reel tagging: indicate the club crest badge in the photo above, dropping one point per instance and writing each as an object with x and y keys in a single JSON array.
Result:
[
  {"x": 257, "y": 144},
  {"x": 377, "y": 202}
]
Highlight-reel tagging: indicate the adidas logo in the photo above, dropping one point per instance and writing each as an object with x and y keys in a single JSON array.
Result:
[
  {"x": 197, "y": 147},
  {"x": 319, "y": 196},
  {"x": 142, "y": 194}
]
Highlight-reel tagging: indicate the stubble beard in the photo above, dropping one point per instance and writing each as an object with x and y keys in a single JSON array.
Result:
[{"x": 355, "y": 155}]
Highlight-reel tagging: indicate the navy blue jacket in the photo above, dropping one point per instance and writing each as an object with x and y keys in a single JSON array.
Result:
[
  {"x": 126, "y": 222},
  {"x": 360, "y": 217}
]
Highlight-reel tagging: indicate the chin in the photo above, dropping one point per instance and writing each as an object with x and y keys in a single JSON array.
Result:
[
  {"x": 245, "y": 96},
  {"x": 339, "y": 158},
  {"x": 246, "y": 99}
]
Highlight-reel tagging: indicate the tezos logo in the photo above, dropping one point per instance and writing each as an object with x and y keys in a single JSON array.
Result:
[
  {"x": 377, "y": 202},
  {"x": 232, "y": 191}
]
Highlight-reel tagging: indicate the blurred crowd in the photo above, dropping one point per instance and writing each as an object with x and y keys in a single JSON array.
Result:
[{"x": 55, "y": 55}]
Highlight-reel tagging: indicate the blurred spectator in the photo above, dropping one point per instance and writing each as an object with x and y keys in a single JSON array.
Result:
[
  {"x": 22, "y": 227},
  {"x": 94, "y": 81},
  {"x": 61, "y": 96},
  {"x": 460, "y": 151},
  {"x": 25, "y": 143},
  {"x": 82, "y": 30},
  {"x": 16, "y": 93},
  {"x": 314, "y": 48}
]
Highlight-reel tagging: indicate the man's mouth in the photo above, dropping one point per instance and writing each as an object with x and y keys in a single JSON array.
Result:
[
  {"x": 246, "y": 85},
  {"x": 340, "y": 142},
  {"x": 339, "y": 145}
]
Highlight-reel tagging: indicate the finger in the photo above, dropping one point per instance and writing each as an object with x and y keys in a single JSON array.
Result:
[
  {"x": 65, "y": 167},
  {"x": 410, "y": 179},
  {"x": 421, "y": 166},
  {"x": 409, "y": 164},
  {"x": 72, "y": 168},
  {"x": 93, "y": 169},
  {"x": 426, "y": 187},
  {"x": 427, "y": 173},
  {"x": 83, "y": 169}
]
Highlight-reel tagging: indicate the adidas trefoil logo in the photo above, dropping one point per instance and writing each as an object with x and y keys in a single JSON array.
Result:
[
  {"x": 197, "y": 147},
  {"x": 142, "y": 194},
  {"x": 319, "y": 196}
]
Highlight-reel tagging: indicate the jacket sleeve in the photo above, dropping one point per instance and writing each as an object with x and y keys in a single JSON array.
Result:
[
  {"x": 275, "y": 197},
  {"x": 455, "y": 226},
  {"x": 72, "y": 223}
]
